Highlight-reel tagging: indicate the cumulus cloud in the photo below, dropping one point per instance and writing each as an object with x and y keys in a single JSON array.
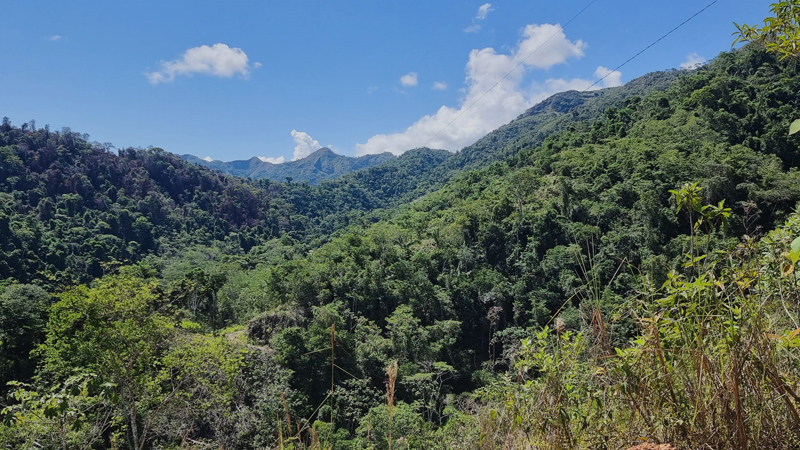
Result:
[
  {"x": 439, "y": 86},
  {"x": 55, "y": 37},
  {"x": 218, "y": 60},
  {"x": 483, "y": 11},
  {"x": 271, "y": 160},
  {"x": 409, "y": 79},
  {"x": 491, "y": 78},
  {"x": 611, "y": 78},
  {"x": 540, "y": 91},
  {"x": 208, "y": 159},
  {"x": 693, "y": 61},
  {"x": 306, "y": 145}
]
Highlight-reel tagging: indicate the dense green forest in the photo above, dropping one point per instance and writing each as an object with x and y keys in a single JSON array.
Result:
[
  {"x": 611, "y": 267},
  {"x": 74, "y": 209}
]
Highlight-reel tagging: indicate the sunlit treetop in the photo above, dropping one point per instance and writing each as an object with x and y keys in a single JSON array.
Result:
[{"x": 779, "y": 34}]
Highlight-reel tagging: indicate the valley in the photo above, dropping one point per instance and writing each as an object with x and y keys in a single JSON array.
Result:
[{"x": 612, "y": 267}]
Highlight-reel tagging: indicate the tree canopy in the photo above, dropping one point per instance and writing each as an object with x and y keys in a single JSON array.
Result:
[{"x": 604, "y": 268}]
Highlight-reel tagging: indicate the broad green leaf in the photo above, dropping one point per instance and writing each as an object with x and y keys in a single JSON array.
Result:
[{"x": 795, "y": 127}]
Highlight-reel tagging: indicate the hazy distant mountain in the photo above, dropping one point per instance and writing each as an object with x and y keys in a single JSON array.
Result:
[{"x": 323, "y": 164}]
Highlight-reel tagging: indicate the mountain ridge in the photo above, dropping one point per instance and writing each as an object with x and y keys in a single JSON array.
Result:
[
  {"x": 548, "y": 117},
  {"x": 136, "y": 199},
  {"x": 322, "y": 164}
]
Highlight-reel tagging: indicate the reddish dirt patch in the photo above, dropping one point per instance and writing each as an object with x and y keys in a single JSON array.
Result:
[{"x": 652, "y": 447}]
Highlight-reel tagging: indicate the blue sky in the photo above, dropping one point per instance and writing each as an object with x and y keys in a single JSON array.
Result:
[{"x": 232, "y": 80}]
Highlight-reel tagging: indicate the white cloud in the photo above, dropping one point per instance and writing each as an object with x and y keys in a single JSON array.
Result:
[
  {"x": 218, "y": 60},
  {"x": 55, "y": 37},
  {"x": 271, "y": 160},
  {"x": 371, "y": 89},
  {"x": 208, "y": 159},
  {"x": 306, "y": 145},
  {"x": 611, "y": 78},
  {"x": 474, "y": 28},
  {"x": 693, "y": 61},
  {"x": 484, "y": 11},
  {"x": 409, "y": 79},
  {"x": 439, "y": 86},
  {"x": 541, "y": 47},
  {"x": 541, "y": 91}
]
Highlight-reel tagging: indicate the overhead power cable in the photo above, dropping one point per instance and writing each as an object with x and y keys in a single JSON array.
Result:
[
  {"x": 652, "y": 44},
  {"x": 560, "y": 29}
]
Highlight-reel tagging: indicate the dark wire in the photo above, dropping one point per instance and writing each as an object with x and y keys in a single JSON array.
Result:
[
  {"x": 652, "y": 44},
  {"x": 561, "y": 28}
]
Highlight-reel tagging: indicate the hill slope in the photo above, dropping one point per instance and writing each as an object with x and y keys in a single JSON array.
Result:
[
  {"x": 458, "y": 277},
  {"x": 388, "y": 187},
  {"x": 387, "y": 182},
  {"x": 66, "y": 217},
  {"x": 71, "y": 210},
  {"x": 68, "y": 208},
  {"x": 527, "y": 277}
]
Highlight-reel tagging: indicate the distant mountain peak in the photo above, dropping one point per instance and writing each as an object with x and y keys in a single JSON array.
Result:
[
  {"x": 324, "y": 151},
  {"x": 322, "y": 164}
]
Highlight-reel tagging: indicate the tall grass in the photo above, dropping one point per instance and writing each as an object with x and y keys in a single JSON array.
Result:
[{"x": 716, "y": 364}]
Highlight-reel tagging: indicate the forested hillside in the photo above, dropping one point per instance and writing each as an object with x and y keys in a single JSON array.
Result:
[
  {"x": 73, "y": 209},
  {"x": 612, "y": 266},
  {"x": 551, "y": 115},
  {"x": 420, "y": 171},
  {"x": 503, "y": 251}
]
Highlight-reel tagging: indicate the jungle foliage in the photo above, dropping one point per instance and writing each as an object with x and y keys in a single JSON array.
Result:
[{"x": 626, "y": 276}]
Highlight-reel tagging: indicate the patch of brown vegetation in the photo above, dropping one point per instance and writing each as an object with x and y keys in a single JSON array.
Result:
[{"x": 648, "y": 446}]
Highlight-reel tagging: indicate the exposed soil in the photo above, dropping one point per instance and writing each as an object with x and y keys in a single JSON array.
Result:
[{"x": 648, "y": 446}]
